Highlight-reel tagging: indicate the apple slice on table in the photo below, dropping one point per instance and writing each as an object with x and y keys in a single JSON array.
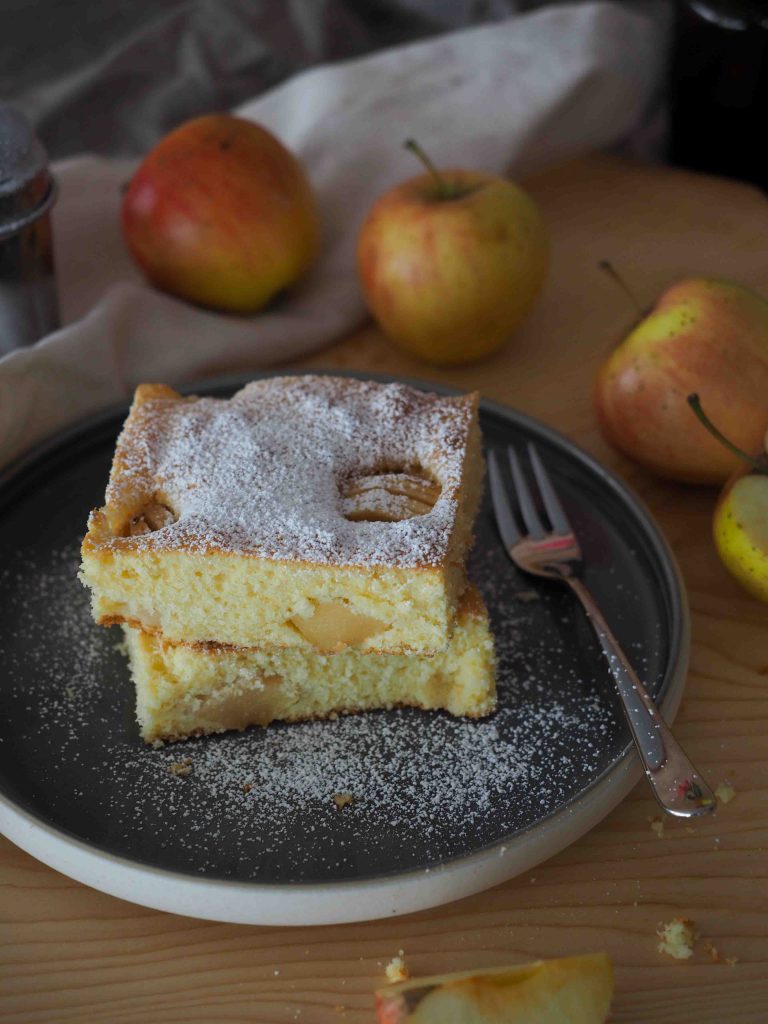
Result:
[
  {"x": 451, "y": 261},
  {"x": 575, "y": 989},
  {"x": 741, "y": 532},
  {"x": 702, "y": 335},
  {"x": 740, "y": 524}
]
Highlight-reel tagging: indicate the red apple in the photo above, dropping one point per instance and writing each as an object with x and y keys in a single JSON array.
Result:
[
  {"x": 220, "y": 213},
  {"x": 450, "y": 262},
  {"x": 704, "y": 336}
]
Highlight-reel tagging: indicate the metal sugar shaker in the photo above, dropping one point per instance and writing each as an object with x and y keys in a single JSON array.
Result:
[{"x": 28, "y": 297}]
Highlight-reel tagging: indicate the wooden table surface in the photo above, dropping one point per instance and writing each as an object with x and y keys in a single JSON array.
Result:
[{"x": 72, "y": 954}]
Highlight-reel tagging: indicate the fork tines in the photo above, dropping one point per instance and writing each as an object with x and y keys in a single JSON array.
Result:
[{"x": 502, "y": 497}]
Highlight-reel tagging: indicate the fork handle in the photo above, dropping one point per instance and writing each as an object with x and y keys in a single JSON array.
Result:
[{"x": 676, "y": 784}]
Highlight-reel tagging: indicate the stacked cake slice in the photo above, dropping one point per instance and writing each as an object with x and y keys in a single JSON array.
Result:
[{"x": 293, "y": 552}]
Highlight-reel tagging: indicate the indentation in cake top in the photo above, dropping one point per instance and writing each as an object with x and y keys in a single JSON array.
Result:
[
  {"x": 388, "y": 497},
  {"x": 283, "y": 468},
  {"x": 154, "y": 515}
]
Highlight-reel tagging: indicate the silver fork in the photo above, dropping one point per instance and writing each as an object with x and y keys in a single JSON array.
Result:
[{"x": 554, "y": 553}]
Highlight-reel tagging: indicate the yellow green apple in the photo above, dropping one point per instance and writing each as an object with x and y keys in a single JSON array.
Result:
[
  {"x": 741, "y": 531},
  {"x": 221, "y": 213},
  {"x": 451, "y": 261},
  {"x": 703, "y": 335},
  {"x": 575, "y": 989},
  {"x": 740, "y": 523}
]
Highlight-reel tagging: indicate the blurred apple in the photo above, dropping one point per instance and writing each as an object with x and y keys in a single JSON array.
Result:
[
  {"x": 740, "y": 524},
  {"x": 703, "y": 335},
  {"x": 575, "y": 989},
  {"x": 741, "y": 531},
  {"x": 220, "y": 213},
  {"x": 451, "y": 261}
]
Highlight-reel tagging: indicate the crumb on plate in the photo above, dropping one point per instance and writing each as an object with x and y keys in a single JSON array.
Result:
[
  {"x": 343, "y": 799},
  {"x": 183, "y": 767}
]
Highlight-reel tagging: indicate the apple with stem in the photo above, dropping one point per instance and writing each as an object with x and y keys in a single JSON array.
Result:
[
  {"x": 703, "y": 335},
  {"x": 740, "y": 524},
  {"x": 451, "y": 262}
]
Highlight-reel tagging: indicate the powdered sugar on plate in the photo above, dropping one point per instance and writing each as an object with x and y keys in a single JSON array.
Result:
[{"x": 260, "y": 804}]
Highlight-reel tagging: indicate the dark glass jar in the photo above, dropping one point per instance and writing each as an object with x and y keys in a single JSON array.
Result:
[{"x": 718, "y": 88}]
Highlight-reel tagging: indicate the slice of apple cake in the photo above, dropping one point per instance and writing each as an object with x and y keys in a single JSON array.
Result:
[{"x": 308, "y": 511}]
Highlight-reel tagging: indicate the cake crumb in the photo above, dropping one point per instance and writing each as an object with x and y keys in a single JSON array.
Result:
[
  {"x": 677, "y": 938},
  {"x": 343, "y": 799},
  {"x": 725, "y": 792},
  {"x": 657, "y": 826},
  {"x": 527, "y": 595},
  {"x": 711, "y": 950},
  {"x": 397, "y": 969},
  {"x": 714, "y": 955},
  {"x": 183, "y": 767}
]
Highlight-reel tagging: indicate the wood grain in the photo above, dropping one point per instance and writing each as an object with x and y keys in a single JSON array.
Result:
[{"x": 70, "y": 954}]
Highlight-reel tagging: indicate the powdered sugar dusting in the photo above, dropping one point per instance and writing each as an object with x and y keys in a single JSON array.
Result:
[
  {"x": 262, "y": 473},
  {"x": 260, "y": 804}
]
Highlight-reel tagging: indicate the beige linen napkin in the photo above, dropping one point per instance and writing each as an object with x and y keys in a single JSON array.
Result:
[{"x": 513, "y": 96}]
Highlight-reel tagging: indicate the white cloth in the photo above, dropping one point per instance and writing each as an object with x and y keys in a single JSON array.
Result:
[{"x": 515, "y": 96}]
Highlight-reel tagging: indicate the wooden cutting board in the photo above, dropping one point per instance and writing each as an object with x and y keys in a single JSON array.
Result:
[{"x": 70, "y": 954}]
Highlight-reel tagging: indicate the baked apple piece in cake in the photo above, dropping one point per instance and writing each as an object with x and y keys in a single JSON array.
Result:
[{"x": 187, "y": 690}]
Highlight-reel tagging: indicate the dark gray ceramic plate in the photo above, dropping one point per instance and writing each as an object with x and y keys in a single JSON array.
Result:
[{"x": 258, "y": 807}]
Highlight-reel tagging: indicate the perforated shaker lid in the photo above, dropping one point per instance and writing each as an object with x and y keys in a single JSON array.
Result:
[{"x": 26, "y": 186}]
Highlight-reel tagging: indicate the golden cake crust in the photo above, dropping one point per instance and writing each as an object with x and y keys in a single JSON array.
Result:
[{"x": 264, "y": 474}]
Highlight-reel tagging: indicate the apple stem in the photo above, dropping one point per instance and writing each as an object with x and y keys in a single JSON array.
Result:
[
  {"x": 613, "y": 273},
  {"x": 759, "y": 464},
  {"x": 445, "y": 190}
]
